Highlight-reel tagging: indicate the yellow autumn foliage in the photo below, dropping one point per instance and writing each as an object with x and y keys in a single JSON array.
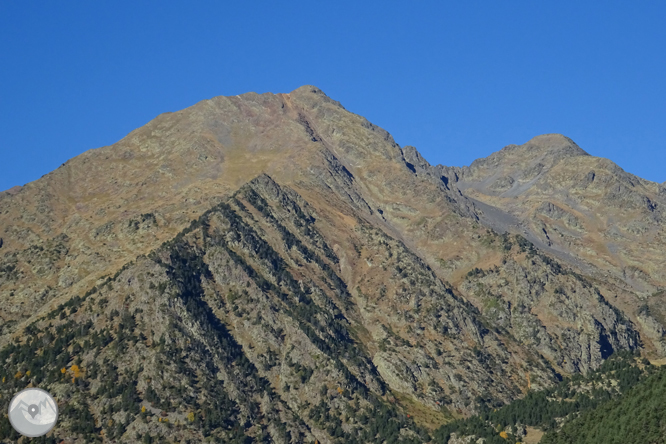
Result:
[
  {"x": 504, "y": 435},
  {"x": 143, "y": 409},
  {"x": 18, "y": 375},
  {"x": 76, "y": 370},
  {"x": 190, "y": 416}
]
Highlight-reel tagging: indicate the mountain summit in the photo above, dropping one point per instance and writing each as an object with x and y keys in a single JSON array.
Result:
[
  {"x": 273, "y": 267},
  {"x": 522, "y": 163}
]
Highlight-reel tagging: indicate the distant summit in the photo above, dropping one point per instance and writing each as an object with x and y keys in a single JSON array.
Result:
[
  {"x": 541, "y": 152},
  {"x": 554, "y": 145}
]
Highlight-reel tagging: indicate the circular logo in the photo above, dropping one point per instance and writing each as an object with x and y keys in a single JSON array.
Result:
[{"x": 33, "y": 412}]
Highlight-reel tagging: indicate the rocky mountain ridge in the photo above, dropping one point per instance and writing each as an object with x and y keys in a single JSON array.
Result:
[
  {"x": 584, "y": 210},
  {"x": 284, "y": 238}
]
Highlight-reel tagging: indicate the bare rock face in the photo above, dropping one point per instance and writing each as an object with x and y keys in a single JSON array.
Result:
[
  {"x": 283, "y": 261},
  {"x": 586, "y": 211},
  {"x": 555, "y": 310}
]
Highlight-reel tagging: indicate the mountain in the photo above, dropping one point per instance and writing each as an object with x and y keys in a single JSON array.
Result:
[
  {"x": 275, "y": 268},
  {"x": 572, "y": 410},
  {"x": 585, "y": 211},
  {"x": 637, "y": 417}
]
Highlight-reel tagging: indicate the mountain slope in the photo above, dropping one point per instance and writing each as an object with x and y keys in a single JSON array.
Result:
[
  {"x": 242, "y": 321},
  {"x": 179, "y": 165},
  {"x": 586, "y": 211},
  {"x": 559, "y": 408},
  {"x": 287, "y": 258},
  {"x": 637, "y": 417},
  {"x": 609, "y": 221}
]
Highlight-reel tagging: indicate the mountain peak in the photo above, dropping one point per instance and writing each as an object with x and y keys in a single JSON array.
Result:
[
  {"x": 310, "y": 95},
  {"x": 555, "y": 144},
  {"x": 307, "y": 89},
  {"x": 545, "y": 150}
]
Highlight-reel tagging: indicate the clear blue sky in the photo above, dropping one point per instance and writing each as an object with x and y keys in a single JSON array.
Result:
[{"x": 458, "y": 80}]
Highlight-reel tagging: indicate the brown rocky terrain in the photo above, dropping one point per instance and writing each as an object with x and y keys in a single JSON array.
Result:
[
  {"x": 287, "y": 258},
  {"x": 585, "y": 211}
]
